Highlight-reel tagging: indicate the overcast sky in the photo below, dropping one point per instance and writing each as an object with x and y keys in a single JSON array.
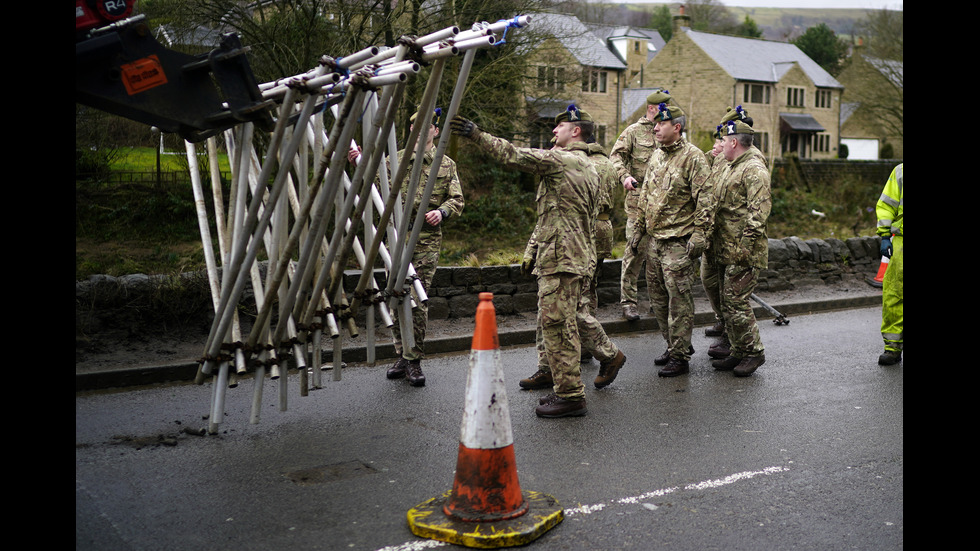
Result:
[{"x": 857, "y": 4}]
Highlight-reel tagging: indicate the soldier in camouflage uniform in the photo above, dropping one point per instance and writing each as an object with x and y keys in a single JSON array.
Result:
[
  {"x": 712, "y": 272},
  {"x": 676, "y": 216},
  {"x": 710, "y": 278},
  {"x": 741, "y": 246},
  {"x": 630, "y": 155},
  {"x": 446, "y": 201},
  {"x": 564, "y": 254},
  {"x": 593, "y": 336},
  {"x": 608, "y": 181}
]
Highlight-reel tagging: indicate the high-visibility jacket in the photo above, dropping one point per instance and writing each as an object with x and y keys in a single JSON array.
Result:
[
  {"x": 889, "y": 209},
  {"x": 890, "y": 220}
]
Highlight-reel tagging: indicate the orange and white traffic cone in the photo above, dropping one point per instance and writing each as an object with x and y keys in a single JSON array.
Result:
[
  {"x": 882, "y": 268},
  {"x": 486, "y": 507}
]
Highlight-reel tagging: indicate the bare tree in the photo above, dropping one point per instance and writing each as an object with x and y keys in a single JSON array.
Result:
[
  {"x": 712, "y": 16},
  {"x": 875, "y": 76}
]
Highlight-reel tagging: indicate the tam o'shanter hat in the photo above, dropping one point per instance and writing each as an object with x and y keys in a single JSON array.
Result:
[
  {"x": 737, "y": 114},
  {"x": 731, "y": 128},
  {"x": 658, "y": 97},
  {"x": 573, "y": 114},
  {"x": 436, "y": 116},
  {"x": 667, "y": 112}
]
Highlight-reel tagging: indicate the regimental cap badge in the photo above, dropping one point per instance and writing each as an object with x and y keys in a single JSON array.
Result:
[
  {"x": 667, "y": 112},
  {"x": 737, "y": 114},
  {"x": 737, "y": 127},
  {"x": 573, "y": 114}
]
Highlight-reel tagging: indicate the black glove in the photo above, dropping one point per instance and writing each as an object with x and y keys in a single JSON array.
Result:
[
  {"x": 886, "y": 247},
  {"x": 527, "y": 266},
  {"x": 462, "y": 127},
  {"x": 634, "y": 242}
]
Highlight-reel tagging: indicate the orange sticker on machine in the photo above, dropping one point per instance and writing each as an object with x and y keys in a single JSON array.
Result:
[{"x": 143, "y": 74}]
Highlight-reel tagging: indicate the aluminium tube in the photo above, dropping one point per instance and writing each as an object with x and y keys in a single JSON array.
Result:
[
  {"x": 317, "y": 226},
  {"x": 298, "y": 228},
  {"x": 463, "y": 76},
  {"x": 241, "y": 254}
]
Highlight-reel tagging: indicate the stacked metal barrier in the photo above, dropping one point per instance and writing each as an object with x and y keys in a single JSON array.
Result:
[{"x": 319, "y": 113}]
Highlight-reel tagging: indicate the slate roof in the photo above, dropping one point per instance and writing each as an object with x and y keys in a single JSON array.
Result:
[
  {"x": 634, "y": 99},
  {"x": 611, "y": 33},
  {"x": 587, "y": 48},
  {"x": 759, "y": 60}
]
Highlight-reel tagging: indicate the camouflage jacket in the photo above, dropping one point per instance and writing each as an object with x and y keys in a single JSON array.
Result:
[
  {"x": 719, "y": 165},
  {"x": 608, "y": 181},
  {"x": 567, "y": 203},
  {"x": 631, "y": 153},
  {"x": 675, "y": 199},
  {"x": 740, "y": 219},
  {"x": 447, "y": 193}
]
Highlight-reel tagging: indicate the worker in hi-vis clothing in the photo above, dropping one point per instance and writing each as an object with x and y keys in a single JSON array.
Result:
[{"x": 890, "y": 215}]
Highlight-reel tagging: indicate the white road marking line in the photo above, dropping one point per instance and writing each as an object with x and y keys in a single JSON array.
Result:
[{"x": 421, "y": 545}]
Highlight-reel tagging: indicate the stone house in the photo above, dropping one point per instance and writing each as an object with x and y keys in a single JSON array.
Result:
[
  {"x": 794, "y": 102},
  {"x": 871, "y": 109},
  {"x": 588, "y": 65}
]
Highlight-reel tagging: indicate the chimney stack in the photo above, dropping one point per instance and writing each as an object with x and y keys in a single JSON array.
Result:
[{"x": 681, "y": 21}]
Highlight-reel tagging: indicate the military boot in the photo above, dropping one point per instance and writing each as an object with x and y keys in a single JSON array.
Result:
[
  {"x": 716, "y": 330},
  {"x": 674, "y": 368},
  {"x": 726, "y": 364},
  {"x": 609, "y": 369},
  {"x": 721, "y": 349},
  {"x": 561, "y": 407},
  {"x": 890, "y": 357},
  {"x": 397, "y": 369},
  {"x": 665, "y": 357},
  {"x": 630, "y": 312},
  {"x": 541, "y": 379},
  {"x": 414, "y": 373},
  {"x": 748, "y": 365}
]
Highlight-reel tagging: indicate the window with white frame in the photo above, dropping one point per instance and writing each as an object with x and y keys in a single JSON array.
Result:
[
  {"x": 755, "y": 93},
  {"x": 795, "y": 96},
  {"x": 594, "y": 80},
  {"x": 761, "y": 141},
  {"x": 551, "y": 78},
  {"x": 822, "y": 143},
  {"x": 824, "y": 99}
]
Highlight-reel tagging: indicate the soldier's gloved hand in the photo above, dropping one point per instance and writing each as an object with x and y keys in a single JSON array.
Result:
[
  {"x": 527, "y": 266},
  {"x": 634, "y": 242},
  {"x": 462, "y": 127},
  {"x": 886, "y": 247},
  {"x": 696, "y": 245}
]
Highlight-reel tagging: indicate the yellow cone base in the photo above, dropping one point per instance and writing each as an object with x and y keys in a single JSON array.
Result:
[{"x": 428, "y": 520}]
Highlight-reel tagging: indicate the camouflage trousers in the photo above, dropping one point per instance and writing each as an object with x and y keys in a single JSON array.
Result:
[
  {"x": 425, "y": 260},
  {"x": 893, "y": 298},
  {"x": 592, "y": 336},
  {"x": 670, "y": 278},
  {"x": 566, "y": 328},
  {"x": 603, "y": 250},
  {"x": 711, "y": 275},
  {"x": 632, "y": 263},
  {"x": 737, "y": 284}
]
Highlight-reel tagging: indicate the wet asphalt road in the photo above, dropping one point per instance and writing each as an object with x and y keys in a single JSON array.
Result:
[{"x": 806, "y": 454}]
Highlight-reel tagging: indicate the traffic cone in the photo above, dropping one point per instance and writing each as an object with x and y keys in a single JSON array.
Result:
[
  {"x": 486, "y": 507},
  {"x": 882, "y": 268}
]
